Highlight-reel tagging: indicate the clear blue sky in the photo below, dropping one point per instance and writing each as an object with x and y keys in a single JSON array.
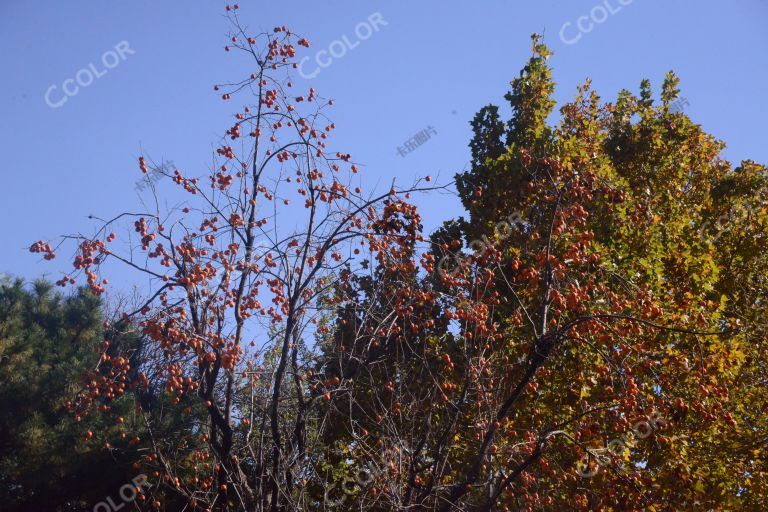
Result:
[{"x": 434, "y": 64}]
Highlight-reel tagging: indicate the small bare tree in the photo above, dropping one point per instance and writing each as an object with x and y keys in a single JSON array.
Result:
[{"x": 239, "y": 277}]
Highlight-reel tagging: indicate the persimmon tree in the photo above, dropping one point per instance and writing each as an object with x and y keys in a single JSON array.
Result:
[
  {"x": 238, "y": 277},
  {"x": 589, "y": 338}
]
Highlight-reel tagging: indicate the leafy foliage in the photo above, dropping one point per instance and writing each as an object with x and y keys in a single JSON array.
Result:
[
  {"x": 49, "y": 461},
  {"x": 596, "y": 341}
]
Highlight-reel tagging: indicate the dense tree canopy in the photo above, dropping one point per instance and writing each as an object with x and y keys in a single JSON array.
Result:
[
  {"x": 589, "y": 336},
  {"x": 600, "y": 335},
  {"x": 46, "y": 345}
]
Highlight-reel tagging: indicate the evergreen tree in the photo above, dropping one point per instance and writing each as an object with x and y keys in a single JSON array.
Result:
[{"x": 48, "y": 460}]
